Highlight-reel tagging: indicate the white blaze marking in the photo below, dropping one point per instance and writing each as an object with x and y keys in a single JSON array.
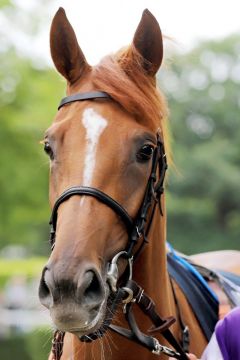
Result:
[{"x": 94, "y": 124}]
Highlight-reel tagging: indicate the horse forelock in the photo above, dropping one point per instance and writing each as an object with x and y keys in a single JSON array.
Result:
[{"x": 121, "y": 76}]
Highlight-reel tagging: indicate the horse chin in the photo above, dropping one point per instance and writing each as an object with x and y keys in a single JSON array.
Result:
[
  {"x": 98, "y": 326},
  {"x": 78, "y": 321},
  {"x": 92, "y": 327}
]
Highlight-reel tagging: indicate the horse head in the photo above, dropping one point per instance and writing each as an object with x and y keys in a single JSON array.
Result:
[{"x": 105, "y": 143}]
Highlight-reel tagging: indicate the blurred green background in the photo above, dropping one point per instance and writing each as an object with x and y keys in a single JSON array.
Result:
[
  {"x": 203, "y": 89},
  {"x": 203, "y": 197}
]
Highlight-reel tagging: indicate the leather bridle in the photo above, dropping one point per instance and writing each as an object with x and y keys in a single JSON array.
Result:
[{"x": 137, "y": 229}]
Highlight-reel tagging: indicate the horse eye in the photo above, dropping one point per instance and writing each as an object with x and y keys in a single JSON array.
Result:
[
  {"x": 48, "y": 150},
  {"x": 145, "y": 153}
]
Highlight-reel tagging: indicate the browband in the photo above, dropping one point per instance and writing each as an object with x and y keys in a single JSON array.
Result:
[{"x": 83, "y": 96}]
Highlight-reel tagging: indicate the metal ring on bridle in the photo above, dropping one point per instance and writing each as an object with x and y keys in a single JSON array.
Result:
[{"x": 112, "y": 274}]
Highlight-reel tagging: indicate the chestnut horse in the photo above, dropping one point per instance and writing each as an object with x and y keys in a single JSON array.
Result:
[{"x": 106, "y": 142}]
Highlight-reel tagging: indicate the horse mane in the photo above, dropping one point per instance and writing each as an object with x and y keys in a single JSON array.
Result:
[{"x": 121, "y": 75}]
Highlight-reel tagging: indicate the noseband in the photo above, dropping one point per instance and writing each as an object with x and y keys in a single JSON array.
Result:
[{"x": 137, "y": 229}]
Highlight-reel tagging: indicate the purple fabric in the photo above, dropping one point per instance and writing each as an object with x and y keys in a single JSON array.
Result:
[{"x": 228, "y": 335}]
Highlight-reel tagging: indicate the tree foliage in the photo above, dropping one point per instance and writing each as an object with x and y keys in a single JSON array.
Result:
[
  {"x": 204, "y": 193},
  {"x": 28, "y": 102}
]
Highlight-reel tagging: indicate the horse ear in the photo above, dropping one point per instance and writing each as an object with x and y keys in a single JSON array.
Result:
[
  {"x": 148, "y": 42},
  {"x": 66, "y": 53}
]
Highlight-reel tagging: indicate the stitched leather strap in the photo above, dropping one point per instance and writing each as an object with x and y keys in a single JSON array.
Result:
[
  {"x": 160, "y": 325},
  {"x": 89, "y": 191},
  {"x": 83, "y": 96},
  {"x": 147, "y": 305}
]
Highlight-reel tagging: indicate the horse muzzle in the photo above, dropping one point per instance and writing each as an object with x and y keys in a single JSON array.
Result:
[{"x": 75, "y": 306}]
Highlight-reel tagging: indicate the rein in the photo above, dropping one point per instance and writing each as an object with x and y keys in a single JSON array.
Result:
[{"x": 131, "y": 293}]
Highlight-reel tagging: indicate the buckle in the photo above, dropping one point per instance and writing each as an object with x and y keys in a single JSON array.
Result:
[
  {"x": 112, "y": 274},
  {"x": 129, "y": 297},
  {"x": 163, "y": 349}
]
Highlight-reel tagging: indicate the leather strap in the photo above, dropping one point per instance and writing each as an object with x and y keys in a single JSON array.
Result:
[
  {"x": 88, "y": 191},
  {"x": 57, "y": 344},
  {"x": 160, "y": 325},
  {"x": 147, "y": 305},
  {"x": 83, "y": 96},
  {"x": 152, "y": 196}
]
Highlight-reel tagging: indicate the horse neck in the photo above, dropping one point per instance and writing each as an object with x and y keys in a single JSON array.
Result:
[{"x": 150, "y": 270}]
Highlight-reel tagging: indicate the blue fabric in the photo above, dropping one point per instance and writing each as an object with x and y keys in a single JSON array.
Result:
[
  {"x": 203, "y": 304},
  {"x": 192, "y": 269},
  {"x": 230, "y": 276}
]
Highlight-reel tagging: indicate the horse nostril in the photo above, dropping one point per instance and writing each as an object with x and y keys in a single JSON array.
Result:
[
  {"x": 91, "y": 290},
  {"x": 44, "y": 291}
]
